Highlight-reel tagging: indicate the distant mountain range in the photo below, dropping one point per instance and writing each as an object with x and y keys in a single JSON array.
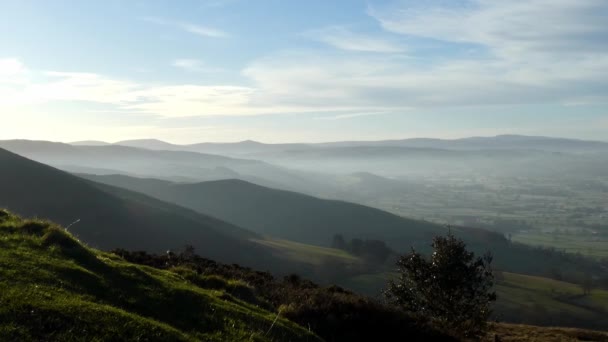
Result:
[
  {"x": 472, "y": 143},
  {"x": 503, "y": 156},
  {"x": 173, "y": 165}
]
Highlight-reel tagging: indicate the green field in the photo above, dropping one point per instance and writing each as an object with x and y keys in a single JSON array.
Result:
[
  {"x": 305, "y": 253},
  {"x": 529, "y": 299},
  {"x": 584, "y": 244},
  {"x": 54, "y": 288},
  {"x": 521, "y": 298},
  {"x": 545, "y": 301}
]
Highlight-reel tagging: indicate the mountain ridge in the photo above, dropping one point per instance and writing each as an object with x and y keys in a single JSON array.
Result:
[{"x": 108, "y": 217}]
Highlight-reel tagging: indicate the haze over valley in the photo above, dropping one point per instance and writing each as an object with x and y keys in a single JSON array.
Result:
[{"x": 230, "y": 170}]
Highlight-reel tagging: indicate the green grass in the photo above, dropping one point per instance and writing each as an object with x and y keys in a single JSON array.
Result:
[
  {"x": 52, "y": 287},
  {"x": 545, "y": 301},
  {"x": 518, "y": 332},
  {"x": 525, "y": 299},
  {"x": 305, "y": 253},
  {"x": 585, "y": 244}
]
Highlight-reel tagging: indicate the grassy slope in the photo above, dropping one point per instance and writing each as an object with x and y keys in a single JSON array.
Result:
[
  {"x": 53, "y": 287},
  {"x": 538, "y": 300},
  {"x": 572, "y": 243},
  {"x": 308, "y": 254},
  {"x": 117, "y": 218},
  {"x": 517, "y": 332},
  {"x": 527, "y": 299},
  {"x": 281, "y": 214},
  {"x": 310, "y": 220},
  {"x": 521, "y": 298}
]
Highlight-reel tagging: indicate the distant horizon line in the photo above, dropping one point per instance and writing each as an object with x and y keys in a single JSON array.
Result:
[{"x": 319, "y": 143}]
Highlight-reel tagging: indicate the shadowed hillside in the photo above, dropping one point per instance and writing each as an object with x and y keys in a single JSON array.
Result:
[
  {"x": 108, "y": 217},
  {"x": 282, "y": 214},
  {"x": 307, "y": 219}
]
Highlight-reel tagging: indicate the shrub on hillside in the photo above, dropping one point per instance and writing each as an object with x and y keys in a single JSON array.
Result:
[
  {"x": 332, "y": 313},
  {"x": 452, "y": 288}
]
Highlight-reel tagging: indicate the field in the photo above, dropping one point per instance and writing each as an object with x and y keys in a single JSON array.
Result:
[
  {"x": 310, "y": 254},
  {"x": 550, "y": 302},
  {"x": 565, "y": 213},
  {"x": 521, "y": 298},
  {"x": 587, "y": 243},
  {"x": 519, "y": 332}
]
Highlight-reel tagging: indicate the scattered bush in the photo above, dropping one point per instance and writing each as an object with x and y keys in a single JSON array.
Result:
[
  {"x": 333, "y": 313},
  {"x": 4, "y": 215},
  {"x": 58, "y": 237},
  {"x": 37, "y": 228},
  {"x": 452, "y": 288}
]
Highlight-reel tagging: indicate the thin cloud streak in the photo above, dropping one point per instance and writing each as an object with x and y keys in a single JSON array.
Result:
[
  {"x": 350, "y": 116},
  {"x": 344, "y": 39},
  {"x": 203, "y": 31}
]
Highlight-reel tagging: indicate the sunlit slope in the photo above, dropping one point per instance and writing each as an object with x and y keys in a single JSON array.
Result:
[{"x": 52, "y": 287}]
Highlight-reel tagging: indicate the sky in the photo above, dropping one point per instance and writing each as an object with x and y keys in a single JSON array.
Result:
[{"x": 306, "y": 71}]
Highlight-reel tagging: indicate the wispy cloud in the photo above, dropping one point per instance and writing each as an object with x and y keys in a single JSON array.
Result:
[
  {"x": 194, "y": 65},
  {"x": 199, "y": 30},
  {"x": 509, "y": 29},
  {"x": 529, "y": 60},
  {"x": 350, "y": 116},
  {"x": 202, "y": 30},
  {"x": 343, "y": 38}
]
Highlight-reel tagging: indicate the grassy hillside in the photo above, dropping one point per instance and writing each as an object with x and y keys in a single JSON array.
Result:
[
  {"x": 519, "y": 332},
  {"x": 52, "y": 287},
  {"x": 310, "y": 220},
  {"x": 525, "y": 299},
  {"x": 309, "y": 254},
  {"x": 116, "y": 218},
  {"x": 281, "y": 214},
  {"x": 542, "y": 301}
]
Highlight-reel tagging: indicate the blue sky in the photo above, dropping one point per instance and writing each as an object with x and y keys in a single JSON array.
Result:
[{"x": 315, "y": 70}]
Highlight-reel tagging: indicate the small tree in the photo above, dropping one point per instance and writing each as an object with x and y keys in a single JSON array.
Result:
[{"x": 452, "y": 288}]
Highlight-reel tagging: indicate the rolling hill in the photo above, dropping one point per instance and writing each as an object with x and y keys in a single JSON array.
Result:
[
  {"x": 54, "y": 288},
  {"x": 281, "y": 214},
  {"x": 173, "y": 165},
  {"x": 526, "y": 299},
  {"x": 107, "y": 217},
  {"x": 310, "y": 220}
]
